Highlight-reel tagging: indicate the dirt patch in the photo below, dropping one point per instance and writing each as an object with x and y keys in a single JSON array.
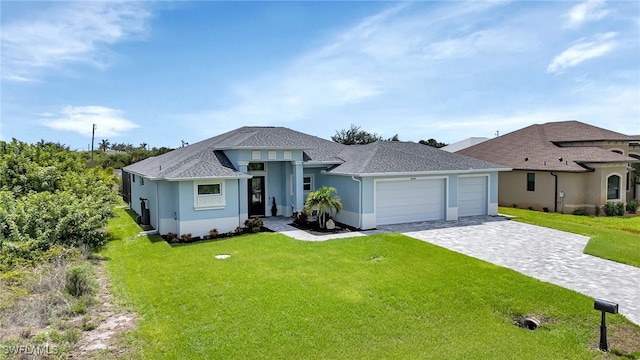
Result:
[
  {"x": 108, "y": 322},
  {"x": 623, "y": 341}
]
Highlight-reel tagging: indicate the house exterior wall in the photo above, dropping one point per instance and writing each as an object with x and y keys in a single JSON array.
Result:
[
  {"x": 348, "y": 191},
  {"x": 168, "y": 201},
  {"x": 148, "y": 191},
  {"x": 199, "y": 222},
  {"x": 581, "y": 190}
]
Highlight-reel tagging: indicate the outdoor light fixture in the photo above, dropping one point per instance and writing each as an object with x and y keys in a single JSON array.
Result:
[{"x": 606, "y": 307}]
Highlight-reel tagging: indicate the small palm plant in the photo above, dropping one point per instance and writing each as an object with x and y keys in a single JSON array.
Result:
[{"x": 325, "y": 202}]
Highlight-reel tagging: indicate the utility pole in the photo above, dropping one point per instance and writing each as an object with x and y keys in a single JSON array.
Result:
[{"x": 93, "y": 133}]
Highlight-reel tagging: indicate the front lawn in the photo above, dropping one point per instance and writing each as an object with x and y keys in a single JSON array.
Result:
[
  {"x": 613, "y": 238},
  {"x": 384, "y": 296}
]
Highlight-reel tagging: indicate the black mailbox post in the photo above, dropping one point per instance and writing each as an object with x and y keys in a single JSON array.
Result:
[{"x": 606, "y": 307}]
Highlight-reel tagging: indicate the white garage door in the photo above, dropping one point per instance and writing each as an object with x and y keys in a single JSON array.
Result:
[
  {"x": 472, "y": 196},
  {"x": 406, "y": 201}
]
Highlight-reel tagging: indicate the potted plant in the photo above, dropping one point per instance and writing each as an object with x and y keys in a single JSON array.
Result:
[{"x": 274, "y": 207}]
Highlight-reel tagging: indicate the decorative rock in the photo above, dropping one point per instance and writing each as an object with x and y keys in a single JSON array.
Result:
[
  {"x": 330, "y": 225},
  {"x": 223, "y": 256}
]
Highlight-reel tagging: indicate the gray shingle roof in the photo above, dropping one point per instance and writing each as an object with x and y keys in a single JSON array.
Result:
[
  {"x": 206, "y": 159},
  {"x": 533, "y": 148},
  {"x": 383, "y": 157}
]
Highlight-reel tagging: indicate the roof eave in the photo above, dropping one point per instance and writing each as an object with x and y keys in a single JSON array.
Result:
[
  {"x": 208, "y": 178},
  {"x": 420, "y": 173}
]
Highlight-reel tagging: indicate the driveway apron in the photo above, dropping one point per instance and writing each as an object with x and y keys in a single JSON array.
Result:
[{"x": 545, "y": 254}]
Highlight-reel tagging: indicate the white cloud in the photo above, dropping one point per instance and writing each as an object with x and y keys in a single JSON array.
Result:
[
  {"x": 583, "y": 50},
  {"x": 70, "y": 32},
  {"x": 380, "y": 58},
  {"x": 590, "y": 10},
  {"x": 109, "y": 122}
]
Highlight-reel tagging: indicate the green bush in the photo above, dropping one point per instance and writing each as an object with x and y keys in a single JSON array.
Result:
[
  {"x": 80, "y": 281},
  {"x": 613, "y": 209},
  {"x": 300, "y": 218},
  {"x": 171, "y": 237},
  {"x": 253, "y": 224},
  {"x": 186, "y": 237},
  {"x": 48, "y": 197},
  {"x": 632, "y": 206}
]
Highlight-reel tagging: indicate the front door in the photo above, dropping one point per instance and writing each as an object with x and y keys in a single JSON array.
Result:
[{"x": 256, "y": 196}]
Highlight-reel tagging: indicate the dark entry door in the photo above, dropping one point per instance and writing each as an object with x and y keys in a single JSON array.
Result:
[{"x": 256, "y": 196}]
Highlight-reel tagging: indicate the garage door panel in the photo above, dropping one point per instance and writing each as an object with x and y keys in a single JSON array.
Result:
[
  {"x": 472, "y": 196},
  {"x": 409, "y": 201}
]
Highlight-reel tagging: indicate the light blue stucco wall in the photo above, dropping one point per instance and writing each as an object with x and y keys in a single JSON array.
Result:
[
  {"x": 147, "y": 191},
  {"x": 493, "y": 187},
  {"x": 453, "y": 191},
  {"x": 347, "y": 190},
  {"x": 188, "y": 212},
  {"x": 168, "y": 199}
]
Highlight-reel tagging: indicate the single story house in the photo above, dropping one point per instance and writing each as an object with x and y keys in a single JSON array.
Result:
[
  {"x": 220, "y": 182},
  {"x": 562, "y": 166}
]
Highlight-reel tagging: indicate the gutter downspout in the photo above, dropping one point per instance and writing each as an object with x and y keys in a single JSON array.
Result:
[
  {"x": 157, "y": 207},
  {"x": 359, "y": 201},
  {"x": 555, "y": 203}
]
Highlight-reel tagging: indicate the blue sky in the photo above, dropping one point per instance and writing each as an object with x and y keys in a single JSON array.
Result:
[{"x": 162, "y": 72}]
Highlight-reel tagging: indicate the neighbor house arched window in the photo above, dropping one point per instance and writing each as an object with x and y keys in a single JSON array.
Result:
[{"x": 613, "y": 187}]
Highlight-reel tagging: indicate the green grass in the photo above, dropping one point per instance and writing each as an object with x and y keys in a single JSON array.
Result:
[
  {"x": 375, "y": 297},
  {"x": 613, "y": 238}
]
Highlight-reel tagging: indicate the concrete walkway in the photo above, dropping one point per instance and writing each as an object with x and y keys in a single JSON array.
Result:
[{"x": 545, "y": 254}]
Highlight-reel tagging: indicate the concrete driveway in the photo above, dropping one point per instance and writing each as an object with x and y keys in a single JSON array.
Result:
[{"x": 545, "y": 254}]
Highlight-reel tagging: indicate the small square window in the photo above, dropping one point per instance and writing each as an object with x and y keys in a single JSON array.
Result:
[
  {"x": 272, "y": 155},
  {"x": 287, "y": 155},
  {"x": 256, "y": 155},
  {"x": 531, "y": 182},
  {"x": 209, "y": 189}
]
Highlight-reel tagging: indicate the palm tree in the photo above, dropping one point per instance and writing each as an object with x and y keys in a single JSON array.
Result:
[
  {"x": 104, "y": 145},
  {"x": 325, "y": 202},
  {"x": 143, "y": 146}
]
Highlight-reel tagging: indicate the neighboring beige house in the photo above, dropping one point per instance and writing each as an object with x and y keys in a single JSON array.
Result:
[{"x": 563, "y": 166}]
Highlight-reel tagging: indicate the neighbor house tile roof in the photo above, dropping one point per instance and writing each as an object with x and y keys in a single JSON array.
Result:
[
  {"x": 534, "y": 148},
  {"x": 207, "y": 159}
]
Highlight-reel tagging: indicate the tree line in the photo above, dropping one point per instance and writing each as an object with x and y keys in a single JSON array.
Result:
[
  {"x": 50, "y": 199},
  {"x": 354, "y": 135}
]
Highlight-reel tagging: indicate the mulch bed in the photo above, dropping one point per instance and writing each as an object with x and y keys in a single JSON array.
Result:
[{"x": 313, "y": 228}]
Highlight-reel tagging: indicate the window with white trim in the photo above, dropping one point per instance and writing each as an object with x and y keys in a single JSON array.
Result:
[
  {"x": 208, "y": 195},
  {"x": 307, "y": 183}
]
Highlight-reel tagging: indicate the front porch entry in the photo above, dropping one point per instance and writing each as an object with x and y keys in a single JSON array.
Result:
[{"x": 256, "y": 196}]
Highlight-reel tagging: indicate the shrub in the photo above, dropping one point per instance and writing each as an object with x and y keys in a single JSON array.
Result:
[
  {"x": 598, "y": 210},
  {"x": 213, "y": 233},
  {"x": 239, "y": 230},
  {"x": 171, "y": 237},
  {"x": 613, "y": 209},
  {"x": 185, "y": 237},
  {"x": 632, "y": 206},
  {"x": 545, "y": 209},
  {"x": 580, "y": 212},
  {"x": 253, "y": 224},
  {"x": 530, "y": 208},
  {"x": 515, "y": 206},
  {"x": 79, "y": 281},
  {"x": 300, "y": 218}
]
